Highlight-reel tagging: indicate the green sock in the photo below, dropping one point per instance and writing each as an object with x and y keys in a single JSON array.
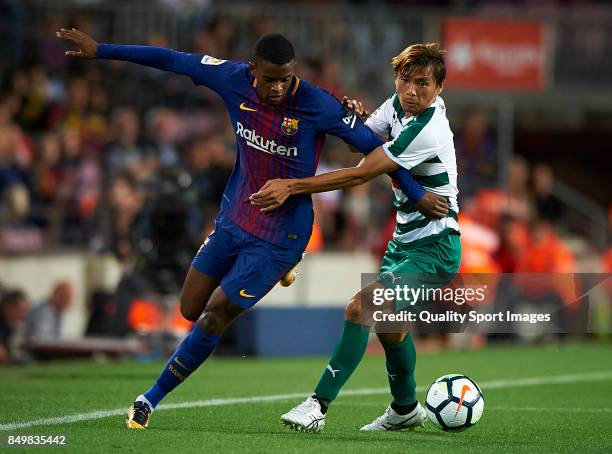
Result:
[
  {"x": 347, "y": 356},
  {"x": 401, "y": 362}
]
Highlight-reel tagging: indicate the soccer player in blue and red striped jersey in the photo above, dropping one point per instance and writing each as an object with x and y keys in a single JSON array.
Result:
[{"x": 280, "y": 123}]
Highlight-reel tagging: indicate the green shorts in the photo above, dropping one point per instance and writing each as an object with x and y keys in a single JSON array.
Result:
[{"x": 430, "y": 265}]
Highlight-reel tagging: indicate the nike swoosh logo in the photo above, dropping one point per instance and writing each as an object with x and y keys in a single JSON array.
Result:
[
  {"x": 245, "y": 294},
  {"x": 243, "y": 107},
  {"x": 176, "y": 360},
  {"x": 465, "y": 389}
]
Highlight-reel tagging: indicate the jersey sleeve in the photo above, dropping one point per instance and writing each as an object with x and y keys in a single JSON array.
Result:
[
  {"x": 409, "y": 186},
  {"x": 379, "y": 120},
  {"x": 214, "y": 73},
  {"x": 414, "y": 144},
  {"x": 202, "y": 69},
  {"x": 336, "y": 120}
]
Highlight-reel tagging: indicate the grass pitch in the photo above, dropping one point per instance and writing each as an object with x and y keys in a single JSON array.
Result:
[{"x": 566, "y": 408}]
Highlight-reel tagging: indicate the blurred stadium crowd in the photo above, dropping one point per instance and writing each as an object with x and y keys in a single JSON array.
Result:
[{"x": 111, "y": 157}]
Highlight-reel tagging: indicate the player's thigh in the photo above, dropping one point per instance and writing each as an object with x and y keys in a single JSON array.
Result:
[
  {"x": 196, "y": 292},
  {"x": 437, "y": 261},
  {"x": 257, "y": 269},
  {"x": 409, "y": 271},
  {"x": 213, "y": 260}
]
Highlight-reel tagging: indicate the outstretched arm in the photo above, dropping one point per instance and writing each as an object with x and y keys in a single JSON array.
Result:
[
  {"x": 274, "y": 193},
  {"x": 155, "y": 57}
]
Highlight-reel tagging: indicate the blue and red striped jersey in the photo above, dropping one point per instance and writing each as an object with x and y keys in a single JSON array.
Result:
[{"x": 279, "y": 142}]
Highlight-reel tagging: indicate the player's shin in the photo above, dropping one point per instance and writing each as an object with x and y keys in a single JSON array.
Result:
[
  {"x": 401, "y": 364},
  {"x": 346, "y": 357},
  {"x": 190, "y": 354}
]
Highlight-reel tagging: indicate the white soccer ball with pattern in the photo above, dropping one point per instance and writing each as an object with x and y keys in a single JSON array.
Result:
[{"x": 454, "y": 402}]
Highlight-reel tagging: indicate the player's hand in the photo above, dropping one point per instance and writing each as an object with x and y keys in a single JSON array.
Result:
[
  {"x": 86, "y": 44},
  {"x": 272, "y": 195},
  {"x": 433, "y": 206},
  {"x": 356, "y": 107}
]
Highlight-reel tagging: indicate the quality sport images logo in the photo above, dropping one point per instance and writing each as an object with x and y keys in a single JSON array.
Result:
[{"x": 257, "y": 142}]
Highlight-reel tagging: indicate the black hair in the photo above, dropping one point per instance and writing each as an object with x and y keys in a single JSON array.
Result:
[
  {"x": 12, "y": 297},
  {"x": 274, "y": 48}
]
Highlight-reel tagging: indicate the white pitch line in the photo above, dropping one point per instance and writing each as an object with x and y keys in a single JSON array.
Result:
[
  {"x": 555, "y": 410},
  {"x": 500, "y": 408},
  {"x": 520, "y": 382}
]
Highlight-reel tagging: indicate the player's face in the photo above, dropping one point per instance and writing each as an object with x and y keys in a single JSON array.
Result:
[
  {"x": 417, "y": 90},
  {"x": 273, "y": 81}
]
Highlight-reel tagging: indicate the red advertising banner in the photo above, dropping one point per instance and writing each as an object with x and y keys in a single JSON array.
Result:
[{"x": 495, "y": 54}]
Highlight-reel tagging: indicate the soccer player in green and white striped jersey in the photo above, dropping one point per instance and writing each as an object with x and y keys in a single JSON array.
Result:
[
  {"x": 420, "y": 140},
  {"x": 423, "y": 144}
]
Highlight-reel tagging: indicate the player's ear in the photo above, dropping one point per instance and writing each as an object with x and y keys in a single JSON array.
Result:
[
  {"x": 252, "y": 68},
  {"x": 439, "y": 89}
]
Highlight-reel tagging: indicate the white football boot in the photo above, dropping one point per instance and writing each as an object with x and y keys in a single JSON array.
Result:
[
  {"x": 306, "y": 417},
  {"x": 391, "y": 420}
]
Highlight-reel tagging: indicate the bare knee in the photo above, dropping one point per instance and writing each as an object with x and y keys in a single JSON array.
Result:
[
  {"x": 197, "y": 290},
  {"x": 219, "y": 314},
  {"x": 189, "y": 310},
  {"x": 353, "y": 312},
  {"x": 213, "y": 321}
]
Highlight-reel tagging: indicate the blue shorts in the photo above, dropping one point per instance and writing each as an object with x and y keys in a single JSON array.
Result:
[{"x": 248, "y": 266}]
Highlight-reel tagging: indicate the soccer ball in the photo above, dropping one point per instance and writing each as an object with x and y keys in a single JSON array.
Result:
[{"x": 454, "y": 402}]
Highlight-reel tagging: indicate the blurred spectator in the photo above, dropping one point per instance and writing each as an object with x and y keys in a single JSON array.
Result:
[
  {"x": 546, "y": 252},
  {"x": 122, "y": 223},
  {"x": 80, "y": 191},
  {"x": 217, "y": 40},
  {"x": 163, "y": 127},
  {"x": 35, "y": 98},
  {"x": 49, "y": 177},
  {"x": 15, "y": 181},
  {"x": 151, "y": 241},
  {"x": 126, "y": 152},
  {"x": 548, "y": 206},
  {"x": 549, "y": 256},
  {"x": 325, "y": 73},
  {"x": 490, "y": 204},
  {"x": 51, "y": 50},
  {"x": 476, "y": 154},
  {"x": 478, "y": 243},
  {"x": 14, "y": 309},
  {"x": 512, "y": 244},
  {"x": 45, "y": 320},
  {"x": 209, "y": 166}
]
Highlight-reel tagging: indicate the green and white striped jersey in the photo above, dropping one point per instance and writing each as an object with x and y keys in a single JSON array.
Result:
[{"x": 423, "y": 145}]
